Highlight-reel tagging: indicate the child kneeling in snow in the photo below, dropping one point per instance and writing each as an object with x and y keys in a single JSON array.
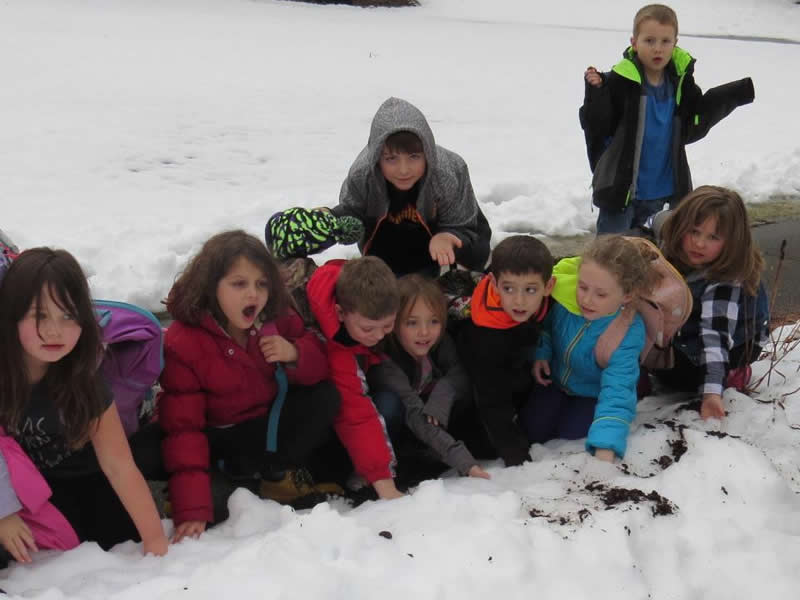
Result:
[
  {"x": 575, "y": 397},
  {"x": 424, "y": 383}
]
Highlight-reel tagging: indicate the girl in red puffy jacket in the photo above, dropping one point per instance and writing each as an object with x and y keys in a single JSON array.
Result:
[{"x": 244, "y": 380}]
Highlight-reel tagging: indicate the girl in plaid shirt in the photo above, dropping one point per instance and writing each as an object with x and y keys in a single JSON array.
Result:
[{"x": 707, "y": 237}]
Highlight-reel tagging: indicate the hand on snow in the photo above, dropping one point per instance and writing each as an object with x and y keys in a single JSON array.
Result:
[
  {"x": 277, "y": 349},
  {"x": 476, "y": 471},
  {"x": 17, "y": 538},
  {"x": 604, "y": 454},
  {"x": 712, "y": 407},
  {"x": 188, "y": 529}
]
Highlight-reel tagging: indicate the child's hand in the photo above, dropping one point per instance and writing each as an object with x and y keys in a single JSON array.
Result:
[
  {"x": 188, "y": 529},
  {"x": 442, "y": 247},
  {"x": 17, "y": 538},
  {"x": 592, "y": 77},
  {"x": 604, "y": 454},
  {"x": 277, "y": 349},
  {"x": 157, "y": 546},
  {"x": 541, "y": 372},
  {"x": 433, "y": 420},
  {"x": 476, "y": 471},
  {"x": 387, "y": 490},
  {"x": 712, "y": 407}
]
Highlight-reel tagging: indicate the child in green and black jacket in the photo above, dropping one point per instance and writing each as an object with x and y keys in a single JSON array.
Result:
[{"x": 638, "y": 118}]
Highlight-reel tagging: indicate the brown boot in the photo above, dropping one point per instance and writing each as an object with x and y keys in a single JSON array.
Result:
[{"x": 296, "y": 483}]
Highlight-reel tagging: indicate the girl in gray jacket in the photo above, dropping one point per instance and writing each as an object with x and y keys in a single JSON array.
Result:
[{"x": 424, "y": 379}]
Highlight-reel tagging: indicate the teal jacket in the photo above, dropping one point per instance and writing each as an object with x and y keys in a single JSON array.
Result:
[{"x": 567, "y": 342}]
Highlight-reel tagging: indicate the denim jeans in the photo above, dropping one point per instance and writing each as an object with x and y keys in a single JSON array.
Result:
[{"x": 634, "y": 215}]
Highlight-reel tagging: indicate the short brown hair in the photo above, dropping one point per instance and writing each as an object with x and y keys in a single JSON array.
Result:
[
  {"x": 368, "y": 287},
  {"x": 740, "y": 259},
  {"x": 661, "y": 13},
  {"x": 195, "y": 290},
  {"x": 404, "y": 141},
  {"x": 415, "y": 287},
  {"x": 625, "y": 261},
  {"x": 521, "y": 254}
]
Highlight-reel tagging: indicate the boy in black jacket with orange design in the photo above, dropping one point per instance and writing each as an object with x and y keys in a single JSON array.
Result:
[{"x": 497, "y": 345}]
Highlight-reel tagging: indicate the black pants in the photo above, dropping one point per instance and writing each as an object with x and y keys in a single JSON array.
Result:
[
  {"x": 304, "y": 422},
  {"x": 87, "y": 500}
]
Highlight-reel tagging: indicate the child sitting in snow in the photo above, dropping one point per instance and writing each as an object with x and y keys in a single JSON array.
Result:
[
  {"x": 638, "y": 118},
  {"x": 58, "y": 408},
  {"x": 574, "y": 396},
  {"x": 507, "y": 307},
  {"x": 424, "y": 384},
  {"x": 708, "y": 240},
  {"x": 243, "y": 381}
]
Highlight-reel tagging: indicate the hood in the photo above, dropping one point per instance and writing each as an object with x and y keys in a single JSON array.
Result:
[
  {"x": 565, "y": 290},
  {"x": 630, "y": 67},
  {"x": 396, "y": 115},
  {"x": 321, "y": 291}
]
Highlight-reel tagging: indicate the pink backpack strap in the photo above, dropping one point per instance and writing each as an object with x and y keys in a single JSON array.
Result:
[{"x": 612, "y": 337}]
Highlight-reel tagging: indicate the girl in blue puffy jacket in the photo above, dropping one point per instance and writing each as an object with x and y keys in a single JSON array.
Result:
[{"x": 574, "y": 397}]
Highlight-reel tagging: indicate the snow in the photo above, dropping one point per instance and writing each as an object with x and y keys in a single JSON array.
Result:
[{"x": 132, "y": 131}]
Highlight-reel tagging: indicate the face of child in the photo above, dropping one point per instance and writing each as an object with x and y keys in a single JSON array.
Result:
[
  {"x": 401, "y": 169},
  {"x": 702, "y": 245},
  {"x": 55, "y": 336},
  {"x": 599, "y": 293},
  {"x": 363, "y": 330},
  {"x": 419, "y": 330},
  {"x": 521, "y": 295},
  {"x": 242, "y": 294},
  {"x": 654, "y": 44}
]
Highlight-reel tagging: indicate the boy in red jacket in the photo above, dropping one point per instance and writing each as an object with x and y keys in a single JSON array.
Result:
[{"x": 355, "y": 303}]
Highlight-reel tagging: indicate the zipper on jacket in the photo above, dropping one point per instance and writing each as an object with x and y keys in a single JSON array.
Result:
[{"x": 568, "y": 354}]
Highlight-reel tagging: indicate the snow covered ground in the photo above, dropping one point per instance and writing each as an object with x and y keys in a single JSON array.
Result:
[{"x": 131, "y": 131}]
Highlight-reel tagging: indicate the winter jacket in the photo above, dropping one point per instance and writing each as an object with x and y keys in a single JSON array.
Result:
[
  {"x": 612, "y": 118},
  {"x": 450, "y": 381},
  {"x": 497, "y": 354},
  {"x": 26, "y": 492},
  {"x": 446, "y": 201},
  {"x": 723, "y": 317},
  {"x": 211, "y": 381},
  {"x": 567, "y": 343},
  {"x": 358, "y": 424}
]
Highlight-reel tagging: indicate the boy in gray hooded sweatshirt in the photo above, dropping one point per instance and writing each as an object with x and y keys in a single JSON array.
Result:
[{"x": 414, "y": 198}]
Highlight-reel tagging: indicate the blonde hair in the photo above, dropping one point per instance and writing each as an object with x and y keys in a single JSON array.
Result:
[
  {"x": 625, "y": 261},
  {"x": 661, "y": 13},
  {"x": 740, "y": 259}
]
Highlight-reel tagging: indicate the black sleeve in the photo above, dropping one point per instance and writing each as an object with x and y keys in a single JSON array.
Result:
[{"x": 716, "y": 104}]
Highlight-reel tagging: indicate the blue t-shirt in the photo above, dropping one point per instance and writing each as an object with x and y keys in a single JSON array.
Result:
[{"x": 655, "y": 178}]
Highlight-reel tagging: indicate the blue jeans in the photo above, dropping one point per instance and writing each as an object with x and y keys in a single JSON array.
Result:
[
  {"x": 634, "y": 215},
  {"x": 392, "y": 409}
]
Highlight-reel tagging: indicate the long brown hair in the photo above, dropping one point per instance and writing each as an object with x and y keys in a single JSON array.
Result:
[
  {"x": 195, "y": 290},
  {"x": 740, "y": 259},
  {"x": 72, "y": 383}
]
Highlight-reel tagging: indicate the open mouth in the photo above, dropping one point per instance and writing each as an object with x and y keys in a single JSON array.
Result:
[{"x": 249, "y": 312}]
